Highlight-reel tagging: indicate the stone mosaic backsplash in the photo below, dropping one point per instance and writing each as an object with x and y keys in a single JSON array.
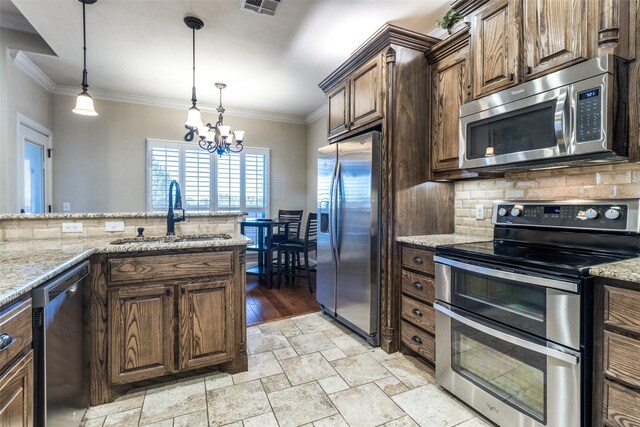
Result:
[
  {"x": 618, "y": 181},
  {"x": 94, "y": 226}
]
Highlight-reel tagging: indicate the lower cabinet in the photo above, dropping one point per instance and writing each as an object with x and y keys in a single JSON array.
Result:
[
  {"x": 141, "y": 320},
  {"x": 418, "y": 326},
  {"x": 206, "y": 323},
  {"x": 16, "y": 394}
]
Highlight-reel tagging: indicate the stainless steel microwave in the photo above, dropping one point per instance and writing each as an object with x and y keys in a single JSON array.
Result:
[{"x": 574, "y": 116}]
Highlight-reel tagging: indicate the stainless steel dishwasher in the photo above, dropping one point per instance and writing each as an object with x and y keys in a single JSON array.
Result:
[{"x": 61, "y": 348}]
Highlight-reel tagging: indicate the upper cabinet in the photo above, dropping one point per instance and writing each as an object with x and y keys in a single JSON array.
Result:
[
  {"x": 357, "y": 100},
  {"x": 495, "y": 45},
  {"x": 555, "y": 35}
]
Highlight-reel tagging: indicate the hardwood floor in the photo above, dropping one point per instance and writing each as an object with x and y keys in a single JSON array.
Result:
[{"x": 264, "y": 304}]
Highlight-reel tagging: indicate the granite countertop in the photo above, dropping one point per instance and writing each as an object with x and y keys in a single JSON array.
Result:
[
  {"x": 117, "y": 215},
  {"x": 435, "y": 240},
  {"x": 627, "y": 270},
  {"x": 27, "y": 264}
]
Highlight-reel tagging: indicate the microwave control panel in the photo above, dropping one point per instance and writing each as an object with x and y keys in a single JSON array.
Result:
[
  {"x": 591, "y": 216},
  {"x": 588, "y": 115}
]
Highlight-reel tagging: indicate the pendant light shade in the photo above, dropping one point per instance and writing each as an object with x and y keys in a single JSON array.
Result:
[
  {"x": 84, "y": 103},
  {"x": 194, "y": 119}
]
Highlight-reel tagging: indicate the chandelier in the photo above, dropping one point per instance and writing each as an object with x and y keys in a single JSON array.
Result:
[
  {"x": 84, "y": 102},
  {"x": 218, "y": 138}
]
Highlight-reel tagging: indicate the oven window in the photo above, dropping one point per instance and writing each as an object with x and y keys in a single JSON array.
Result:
[
  {"x": 517, "y": 305},
  {"x": 513, "y": 374},
  {"x": 526, "y": 129}
]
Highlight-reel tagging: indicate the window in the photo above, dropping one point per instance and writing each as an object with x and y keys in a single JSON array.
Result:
[{"x": 235, "y": 181}]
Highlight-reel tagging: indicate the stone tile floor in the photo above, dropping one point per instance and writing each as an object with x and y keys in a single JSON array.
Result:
[{"x": 304, "y": 371}]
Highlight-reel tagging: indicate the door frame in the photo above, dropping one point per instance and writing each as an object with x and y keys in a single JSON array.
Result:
[{"x": 25, "y": 121}]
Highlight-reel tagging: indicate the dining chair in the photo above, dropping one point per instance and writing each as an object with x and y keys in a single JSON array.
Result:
[
  {"x": 292, "y": 248},
  {"x": 294, "y": 229}
]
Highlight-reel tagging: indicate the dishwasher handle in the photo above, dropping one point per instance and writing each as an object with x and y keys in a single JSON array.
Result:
[{"x": 67, "y": 281}]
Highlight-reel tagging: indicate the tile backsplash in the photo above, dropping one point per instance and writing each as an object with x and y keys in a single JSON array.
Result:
[{"x": 619, "y": 181}]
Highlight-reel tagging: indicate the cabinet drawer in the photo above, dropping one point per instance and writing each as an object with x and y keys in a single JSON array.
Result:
[
  {"x": 418, "y": 286},
  {"x": 620, "y": 405},
  {"x": 622, "y": 308},
  {"x": 419, "y": 341},
  {"x": 169, "y": 267},
  {"x": 418, "y": 259},
  {"x": 419, "y": 314},
  {"x": 620, "y": 358},
  {"x": 15, "y": 328}
]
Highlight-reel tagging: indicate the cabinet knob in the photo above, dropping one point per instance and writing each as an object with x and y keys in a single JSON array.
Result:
[
  {"x": 417, "y": 312},
  {"x": 418, "y": 285},
  {"x": 167, "y": 292},
  {"x": 528, "y": 70},
  {"x": 511, "y": 76},
  {"x": 5, "y": 341},
  {"x": 417, "y": 260},
  {"x": 416, "y": 339}
]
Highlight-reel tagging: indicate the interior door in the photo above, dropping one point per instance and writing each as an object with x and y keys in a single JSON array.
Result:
[
  {"x": 357, "y": 232},
  {"x": 326, "y": 274},
  {"x": 34, "y": 182}
]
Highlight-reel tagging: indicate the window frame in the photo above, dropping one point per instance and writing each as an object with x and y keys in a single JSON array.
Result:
[{"x": 213, "y": 187}]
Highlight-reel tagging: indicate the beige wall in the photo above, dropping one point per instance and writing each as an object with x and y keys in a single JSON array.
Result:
[
  {"x": 597, "y": 182},
  {"x": 99, "y": 162},
  {"x": 19, "y": 94},
  {"x": 316, "y": 138}
]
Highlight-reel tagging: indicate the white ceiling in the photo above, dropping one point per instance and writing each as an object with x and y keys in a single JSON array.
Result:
[{"x": 270, "y": 64}]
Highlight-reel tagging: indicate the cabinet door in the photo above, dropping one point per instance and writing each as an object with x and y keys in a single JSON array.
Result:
[
  {"x": 448, "y": 89},
  {"x": 141, "y": 332},
  {"x": 495, "y": 47},
  {"x": 206, "y": 323},
  {"x": 338, "y": 105},
  {"x": 366, "y": 93},
  {"x": 555, "y": 34},
  {"x": 16, "y": 394}
]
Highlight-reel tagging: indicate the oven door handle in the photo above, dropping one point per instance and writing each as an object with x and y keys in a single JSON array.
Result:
[
  {"x": 571, "y": 358},
  {"x": 514, "y": 277}
]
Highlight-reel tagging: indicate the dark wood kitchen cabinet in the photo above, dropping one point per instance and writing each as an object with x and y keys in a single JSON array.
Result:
[
  {"x": 616, "y": 381},
  {"x": 418, "y": 321},
  {"x": 386, "y": 82},
  {"x": 155, "y": 315},
  {"x": 16, "y": 365},
  {"x": 449, "y": 79}
]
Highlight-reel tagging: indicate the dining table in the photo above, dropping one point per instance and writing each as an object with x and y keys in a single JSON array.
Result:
[{"x": 264, "y": 244}]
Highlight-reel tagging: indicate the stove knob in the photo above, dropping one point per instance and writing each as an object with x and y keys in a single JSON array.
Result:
[
  {"x": 613, "y": 213},
  {"x": 516, "y": 211},
  {"x": 503, "y": 212},
  {"x": 591, "y": 213}
]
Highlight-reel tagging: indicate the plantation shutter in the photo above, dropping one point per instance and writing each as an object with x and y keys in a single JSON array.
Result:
[
  {"x": 255, "y": 182},
  {"x": 228, "y": 182},
  {"x": 165, "y": 166},
  {"x": 197, "y": 179}
]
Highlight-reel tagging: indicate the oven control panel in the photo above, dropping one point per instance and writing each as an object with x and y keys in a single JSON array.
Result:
[{"x": 620, "y": 215}]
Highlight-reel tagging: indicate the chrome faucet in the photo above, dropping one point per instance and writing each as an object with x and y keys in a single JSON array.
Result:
[{"x": 172, "y": 217}]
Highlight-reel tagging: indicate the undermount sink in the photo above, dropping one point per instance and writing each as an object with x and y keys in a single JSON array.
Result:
[{"x": 172, "y": 239}]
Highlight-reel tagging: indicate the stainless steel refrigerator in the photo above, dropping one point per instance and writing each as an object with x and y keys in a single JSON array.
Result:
[{"x": 348, "y": 275}]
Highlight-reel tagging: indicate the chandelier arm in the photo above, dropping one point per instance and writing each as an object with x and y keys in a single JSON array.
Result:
[{"x": 190, "y": 133}]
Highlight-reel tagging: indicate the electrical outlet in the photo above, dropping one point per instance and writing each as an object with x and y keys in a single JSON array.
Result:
[
  {"x": 479, "y": 211},
  {"x": 72, "y": 227},
  {"x": 66, "y": 207},
  {"x": 114, "y": 226}
]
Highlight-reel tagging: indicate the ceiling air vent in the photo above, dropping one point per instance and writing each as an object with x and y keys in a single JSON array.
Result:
[{"x": 263, "y": 7}]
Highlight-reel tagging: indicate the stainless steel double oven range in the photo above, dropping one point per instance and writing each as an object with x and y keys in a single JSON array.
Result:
[{"x": 514, "y": 316}]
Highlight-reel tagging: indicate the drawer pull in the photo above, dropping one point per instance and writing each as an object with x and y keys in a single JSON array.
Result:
[
  {"x": 416, "y": 312},
  {"x": 418, "y": 286},
  {"x": 417, "y": 260},
  {"x": 416, "y": 339},
  {"x": 511, "y": 77},
  {"x": 6, "y": 341}
]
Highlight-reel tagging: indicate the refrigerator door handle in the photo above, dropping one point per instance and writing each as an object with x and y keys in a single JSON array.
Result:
[
  {"x": 332, "y": 214},
  {"x": 337, "y": 220}
]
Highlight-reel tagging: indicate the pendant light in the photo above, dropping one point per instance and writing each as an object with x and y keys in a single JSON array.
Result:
[
  {"x": 84, "y": 102},
  {"x": 194, "y": 119}
]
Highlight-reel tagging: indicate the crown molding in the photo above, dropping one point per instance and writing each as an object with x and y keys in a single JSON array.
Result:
[
  {"x": 316, "y": 114},
  {"x": 16, "y": 22},
  {"x": 32, "y": 70},
  {"x": 175, "y": 104}
]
